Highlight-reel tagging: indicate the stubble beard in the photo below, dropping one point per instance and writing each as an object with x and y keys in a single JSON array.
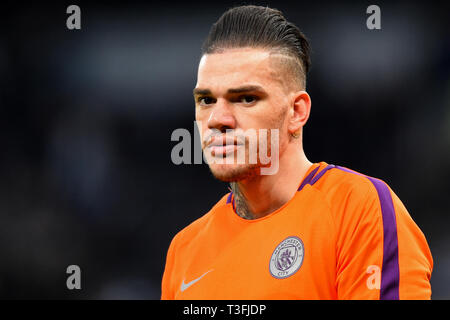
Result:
[
  {"x": 238, "y": 172},
  {"x": 233, "y": 172}
]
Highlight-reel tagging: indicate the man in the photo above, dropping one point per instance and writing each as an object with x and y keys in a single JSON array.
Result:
[{"x": 305, "y": 231}]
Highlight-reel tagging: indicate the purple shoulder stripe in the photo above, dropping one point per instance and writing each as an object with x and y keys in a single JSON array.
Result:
[
  {"x": 321, "y": 173},
  {"x": 229, "y": 197},
  {"x": 389, "y": 289},
  {"x": 310, "y": 179}
]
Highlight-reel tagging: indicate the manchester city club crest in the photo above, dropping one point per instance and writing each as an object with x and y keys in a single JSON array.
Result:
[{"x": 287, "y": 258}]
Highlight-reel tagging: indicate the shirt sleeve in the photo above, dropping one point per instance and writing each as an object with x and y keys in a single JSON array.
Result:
[
  {"x": 381, "y": 253},
  {"x": 166, "y": 288}
]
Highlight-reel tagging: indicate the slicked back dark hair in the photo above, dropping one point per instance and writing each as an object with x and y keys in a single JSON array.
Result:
[{"x": 259, "y": 27}]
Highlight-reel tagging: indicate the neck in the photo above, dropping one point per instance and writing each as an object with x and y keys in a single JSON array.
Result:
[{"x": 258, "y": 196}]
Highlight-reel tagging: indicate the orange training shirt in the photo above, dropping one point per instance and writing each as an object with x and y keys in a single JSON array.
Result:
[{"x": 343, "y": 235}]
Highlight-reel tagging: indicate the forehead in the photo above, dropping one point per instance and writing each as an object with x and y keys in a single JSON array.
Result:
[{"x": 235, "y": 67}]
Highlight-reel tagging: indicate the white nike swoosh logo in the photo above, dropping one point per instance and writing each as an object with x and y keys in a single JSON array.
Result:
[{"x": 184, "y": 286}]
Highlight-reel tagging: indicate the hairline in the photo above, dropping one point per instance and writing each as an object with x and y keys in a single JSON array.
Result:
[{"x": 274, "y": 52}]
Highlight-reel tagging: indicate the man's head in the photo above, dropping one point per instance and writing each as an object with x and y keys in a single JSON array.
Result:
[
  {"x": 264, "y": 28},
  {"x": 251, "y": 76}
]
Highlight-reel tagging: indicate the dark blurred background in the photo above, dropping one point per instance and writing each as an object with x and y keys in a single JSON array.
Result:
[{"x": 86, "y": 118}]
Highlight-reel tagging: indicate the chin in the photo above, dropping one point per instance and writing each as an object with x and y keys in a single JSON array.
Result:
[{"x": 233, "y": 172}]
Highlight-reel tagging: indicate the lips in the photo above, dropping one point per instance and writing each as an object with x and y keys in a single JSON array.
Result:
[{"x": 221, "y": 145}]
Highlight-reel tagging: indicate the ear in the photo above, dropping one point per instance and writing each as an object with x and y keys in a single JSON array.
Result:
[{"x": 299, "y": 113}]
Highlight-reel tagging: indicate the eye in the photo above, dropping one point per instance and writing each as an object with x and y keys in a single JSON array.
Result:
[
  {"x": 247, "y": 99},
  {"x": 205, "y": 100}
]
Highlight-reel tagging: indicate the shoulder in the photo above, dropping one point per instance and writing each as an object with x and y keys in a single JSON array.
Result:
[
  {"x": 353, "y": 196},
  {"x": 344, "y": 184},
  {"x": 192, "y": 230}
]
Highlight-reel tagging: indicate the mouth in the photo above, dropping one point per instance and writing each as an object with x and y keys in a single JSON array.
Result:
[{"x": 220, "y": 146}]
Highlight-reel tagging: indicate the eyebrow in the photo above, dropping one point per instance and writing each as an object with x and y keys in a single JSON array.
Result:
[
  {"x": 199, "y": 91},
  {"x": 246, "y": 89}
]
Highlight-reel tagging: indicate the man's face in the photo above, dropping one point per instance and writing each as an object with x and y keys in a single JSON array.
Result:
[{"x": 238, "y": 90}]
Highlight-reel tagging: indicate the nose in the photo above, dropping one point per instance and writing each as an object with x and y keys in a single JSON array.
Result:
[{"x": 221, "y": 117}]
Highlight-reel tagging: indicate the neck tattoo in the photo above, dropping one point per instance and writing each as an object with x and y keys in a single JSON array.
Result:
[{"x": 240, "y": 203}]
